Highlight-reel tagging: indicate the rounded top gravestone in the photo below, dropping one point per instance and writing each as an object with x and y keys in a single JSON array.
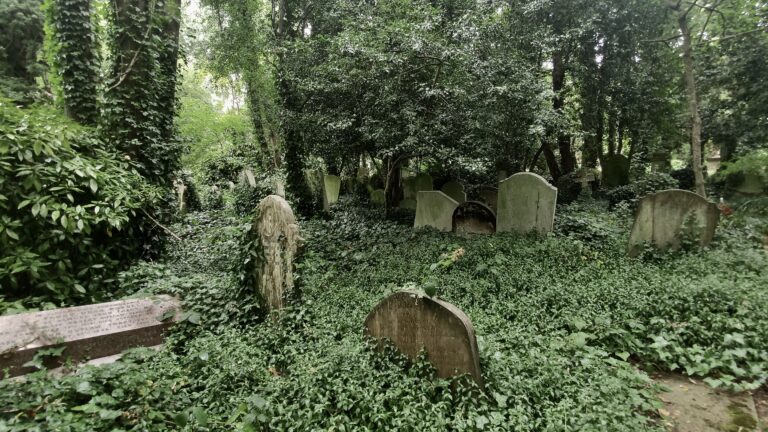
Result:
[
  {"x": 411, "y": 323},
  {"x": 474, "y": 217},
  {"x": 526, "y": 203},
  {"x": 663, "y": 217},
  {"x": 434, "y": 209},
  {"x": 280, "y": 241},
  {"x": 423, "y": 182},
  {"x": 615, "y": 171},
  {"x": 454, "y": 190}
]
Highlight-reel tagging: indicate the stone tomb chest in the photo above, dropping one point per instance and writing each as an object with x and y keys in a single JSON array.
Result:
[{"x": 86, "y": 332}]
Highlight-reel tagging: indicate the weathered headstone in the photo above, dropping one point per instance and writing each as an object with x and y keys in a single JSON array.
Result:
[
  {"x": 412, "y": 323},
  {"x": 378, "y": 197},
  {"x": 434, "y": 209},
  {"x": 615, "y": 171},
  {"x": 280, "y": 241},
  {"x": 247, "y": 177},
  {"x": 660, "y": 162},
  {"x": 474, "y": 217},
  {"x": 280, "y": 188},
  {"x": 423, "y": 182},
  {"x": 409, "y": 188},
  {"x": 713, "y": 163},
  {"x": 489, "y": 196},
  {"x": 526, "y": 203},
  {"x": 331, "y": 186},
  {"x": 181, "y": 190},
  {"x": 752, "y": 184},
  {"x": 663, "y": 217},
  {"x": 85, "y": 332},
  {"x": 408, "y": 203},
  {"x": 454, "y": 190},
  {"x": 362, "y": 175}
]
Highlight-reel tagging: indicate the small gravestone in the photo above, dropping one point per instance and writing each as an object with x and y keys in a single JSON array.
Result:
[
  {"x": 85, "y": 332},
  {"x": 362, "y": 175},
  {"x": 331, "y": 186},
  {"x": 660, "y": 162},
  {"x": 664, "y": 217},
  {"x": 615, "y": 171},
  {"x": 279, "y": 240},
  {"x": 378, "y": 197},
  {"x": 408, "y": 203},
  {"x": 454, "y": 190},
  {"x": 409, "y": 188},
  {"x": 434, "y": 209},
  {"x": 489, "y": 196},
  {"x": 474, "y": 217},
  {"x": 280, "y": 188},
  {"x": 422, "y": 182},
  {"x": 526, "y": 203},
  {"x": 247, "y": 177},
  {"x": 181, "y": 190},
  {"x": 752, "y": 184},
  {"x": 412, "y": 323}
]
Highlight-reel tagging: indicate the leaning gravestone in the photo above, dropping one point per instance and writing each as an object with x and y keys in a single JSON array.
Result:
[
  {"x": 664, "y": 216},
  {"x": 454, "y": 190},
  {"x": 526, "y": 203},
  {"x": 412, "y": 323},
  {"x": 423, "y": 182},
  {"x": 279, "y": 240},
  {"x": 378, "y": 197},
  {"x": 615, "y": 171},
  {"x": 474, "y": 217},
  {"x": 331, "y": 186},
  {"x": 434, "y": 209},
  {"x": 85, "y": 332}
]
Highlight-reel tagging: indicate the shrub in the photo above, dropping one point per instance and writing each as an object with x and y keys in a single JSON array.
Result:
[
  {"x": 67, "y": 207},
  {"x": 651, "y": 183}
]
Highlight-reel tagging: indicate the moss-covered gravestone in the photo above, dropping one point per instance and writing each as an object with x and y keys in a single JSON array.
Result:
[
  {"x": 378, "y": 197},
  {"x": 526, "y": 203},
  {"x": 279, "y": 241},
  {"x": 409, "y": 188},
  {"x": 454, "y": 190},
  {"x": 412, "y": 322},
  {"x": 615, "y": 171},
  {"x": 665, "y": 217},
  {"x": 434, "y": 209},
  {"x": 331, "y": 187},
  {"x": 423, "y": 182},
  {"x": 489, "y": 196}
]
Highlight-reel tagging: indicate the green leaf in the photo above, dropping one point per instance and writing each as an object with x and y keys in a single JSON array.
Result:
[{"x": 201, "y": 416}]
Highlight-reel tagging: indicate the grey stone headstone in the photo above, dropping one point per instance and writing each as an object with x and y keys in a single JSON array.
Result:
[
  {"x": 474, "y": 217},
  {"x": 526, "y": 203},
  {"x": 454, "y": 190},
  {"x": 408, "y": 203},
  {"x": 331, "y": 186},
  {"x": 280, "y": 188},
  {"x": 751, "y": 185},
  {"x": 615, "y": 171},
  {"x": 248, "y": 177},
  {"x": 181, "y": 190},
  {"x": 412, "y": 323},
  {"x": 434, "y": 209},
  {"x": 86, "y": 332},
  {"x": 423, "y": 182},
  {"x": 280, "y": 242},
  {"x": 662, "y": 217},
  {"x": 378, "y": 197},
  {"x": 409, "y": 188},
  {"x": 489, "y": 196}
]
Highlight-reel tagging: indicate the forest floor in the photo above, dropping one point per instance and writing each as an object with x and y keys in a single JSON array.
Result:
[{"x": 570, "y": 332}]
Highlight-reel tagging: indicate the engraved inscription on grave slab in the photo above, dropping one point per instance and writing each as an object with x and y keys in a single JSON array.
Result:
[
  {"x": 412, "y": 323},
  {"x": 86, "y": 332}
]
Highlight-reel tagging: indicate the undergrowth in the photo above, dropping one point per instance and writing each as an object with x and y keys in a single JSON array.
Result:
[{"x": 567, "y": 328}]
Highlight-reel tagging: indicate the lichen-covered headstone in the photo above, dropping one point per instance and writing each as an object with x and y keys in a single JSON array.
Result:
[
  {"x": 526, "y": 203},
  {"x": 423, "y": 182},
  {"x": 474, "y": 217},
  {"x": 663, "y": 218},
  {"x": 454, "y": 190},
  {"x": 615, "y": 171},
  {"x": 181, "y": 190},
  {"x": 411, "y": 323},
  {"x": 279, "y": 240},
  {"x": 247, "y": 177},
  {"x": 409, "y": 188},
  {"x": 378, "y": 197},
  {"x": 434, "y": 209},
  {"x": 489, "y": 196},
  {"x": 331, "y": 186}
]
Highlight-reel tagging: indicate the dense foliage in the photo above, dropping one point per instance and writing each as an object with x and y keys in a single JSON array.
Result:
[
  {"x": 563, "y": 325},
  {"x": 67, "y": 203}
]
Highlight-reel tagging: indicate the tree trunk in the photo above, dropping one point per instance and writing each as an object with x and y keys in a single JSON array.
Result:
[
  {"x": 393, "y": 193},
  {"x": 567, "y": 158},
  {"x": 693, "y": 103}
]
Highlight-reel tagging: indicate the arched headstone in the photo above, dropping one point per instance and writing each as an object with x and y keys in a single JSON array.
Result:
[
  {"x": 454, "y": 190},
  {"x": 412, "y": 323},
  {"x": 474, "y": 217},
  {"x": 423, "y": 182},
  {"x": 280, "y": 241},
  {"x": 378, "y": 197},
  {"x": 489, "y": 196},
  {"x": 526, "y": 203},
  {"x": 331, "y": 186},
  {"x": 615, "y": 171},
  {"x": 434, "y": 209},
  {"x": 664, "y": 216}
]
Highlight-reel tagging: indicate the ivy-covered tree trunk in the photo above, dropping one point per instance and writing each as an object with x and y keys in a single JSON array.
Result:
[
  {"x": 693, "y": 104},
  {"x": 75, "y": 57},
  {"x": 140, "y": 100},
  {"x": 393, "y": 193}
]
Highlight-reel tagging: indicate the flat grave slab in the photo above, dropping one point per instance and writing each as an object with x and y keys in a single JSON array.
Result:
[{"x": 85, "y": 332}]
